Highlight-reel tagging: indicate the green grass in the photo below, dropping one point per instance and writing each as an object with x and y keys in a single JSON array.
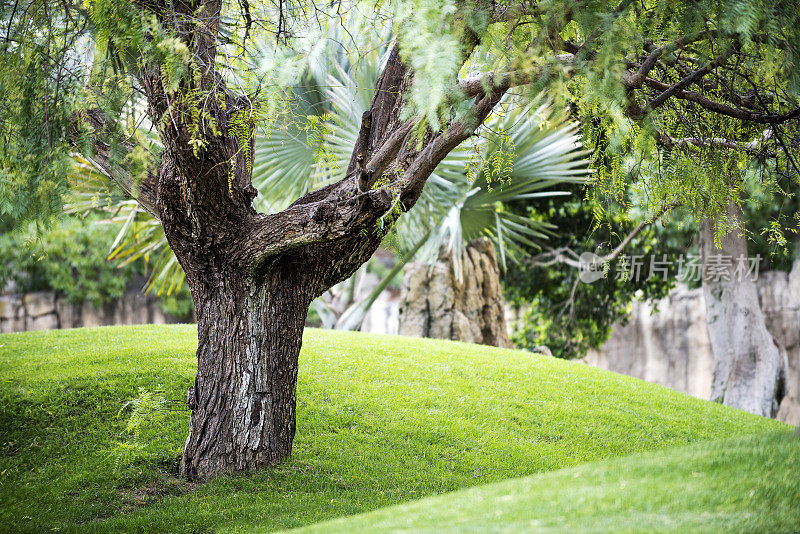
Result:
[
  {"x": 381, "y": 420},
  {"x": 749, "y": 484}
]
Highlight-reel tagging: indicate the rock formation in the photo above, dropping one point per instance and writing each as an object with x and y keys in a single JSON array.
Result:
[
  {"x": 434, "y": 303},
  {"x": 669, "y": 343},
  {"x": 45, "y": 310}
]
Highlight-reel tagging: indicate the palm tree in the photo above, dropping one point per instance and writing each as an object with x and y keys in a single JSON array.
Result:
[{"x": 517, "y": 158}]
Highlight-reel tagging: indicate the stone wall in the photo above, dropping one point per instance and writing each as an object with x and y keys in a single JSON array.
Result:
[
  {"x": 671, "y": 347},
  {"x": 45, "y": 310}
]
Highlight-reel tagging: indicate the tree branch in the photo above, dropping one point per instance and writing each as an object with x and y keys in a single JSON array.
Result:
[
  {"x": 503, "y": 81},
  {"x": 567, "y": 256},
  {"x": 719, "y": 142},
  {"x": 308, "y": 224},
  {"x": 634, "y": 80},
  {"x": 611, "y": 256},
  {"x": 690, "y": 79},
  {"x": 145, "y": 192},
  {"x": 561, "y": 255},
  {"x": 724, "y": 109},
  {"x": 415, "y": 176}
]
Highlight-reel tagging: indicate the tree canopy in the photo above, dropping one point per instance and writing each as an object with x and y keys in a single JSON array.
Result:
[{"x": 660, "y": 86}]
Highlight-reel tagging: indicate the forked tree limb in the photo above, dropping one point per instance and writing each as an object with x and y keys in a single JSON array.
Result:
[
  {"x": 332, "y": 216},
  {"x": 724, "y": 109}
]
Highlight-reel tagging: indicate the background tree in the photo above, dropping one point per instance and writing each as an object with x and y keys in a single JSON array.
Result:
[
  {"x": 661, "y": 77},
  {"x": 691, "y": 110},
  {"x": 571, "y": 316}
]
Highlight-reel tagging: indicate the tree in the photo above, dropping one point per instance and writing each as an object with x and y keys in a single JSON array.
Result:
[
  {"x": 518, "y": 158},
  {"x": 665, "y": 77},
  {"x": 749, "y": 365},
  {"x": 701, "y": 115},
  {"x": 570, "y": 315}
]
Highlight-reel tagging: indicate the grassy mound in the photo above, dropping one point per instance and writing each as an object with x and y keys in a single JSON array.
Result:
[
  {"x": 749, "y": 484},
  {"x": 381, "y": 420}
]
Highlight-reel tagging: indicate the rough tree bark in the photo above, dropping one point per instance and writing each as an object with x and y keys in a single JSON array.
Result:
[{"x": 749, "y": 365}]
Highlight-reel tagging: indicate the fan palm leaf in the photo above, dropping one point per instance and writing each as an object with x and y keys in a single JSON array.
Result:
[{"x": 521, "y": 155}]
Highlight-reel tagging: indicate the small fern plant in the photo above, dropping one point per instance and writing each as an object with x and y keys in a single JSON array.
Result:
[{"x": 147, "y": 410}]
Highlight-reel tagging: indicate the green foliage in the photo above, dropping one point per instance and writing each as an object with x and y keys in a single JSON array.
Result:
[
  {"x": 51, "y": 52},
  {"x": 33, "y": 119},
  {"x": 625, "y": 135},
  {"x": 771, "y": 210},
  {"x": 703, "y": 179},
  {"x": 318, "y": 129},
  {"x": 146, "y": 414},
  {"x": 431, "y": 38},
  {"x": 499, "y": 163},
  {"x": 570, "y": 316},
  {"x": 241, "y": 128},
  {"x": 70, "y": 258},
  {"x": 385, "y": 420}
]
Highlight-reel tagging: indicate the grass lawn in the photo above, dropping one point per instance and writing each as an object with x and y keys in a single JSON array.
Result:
[
  {"x": 381, "y": 420},
  {"x": 747, "y": 485}
]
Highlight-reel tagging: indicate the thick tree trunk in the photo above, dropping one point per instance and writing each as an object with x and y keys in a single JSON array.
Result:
[
  {"x": 749, "y": 365},
  {"x": 243, "y": 401}
]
